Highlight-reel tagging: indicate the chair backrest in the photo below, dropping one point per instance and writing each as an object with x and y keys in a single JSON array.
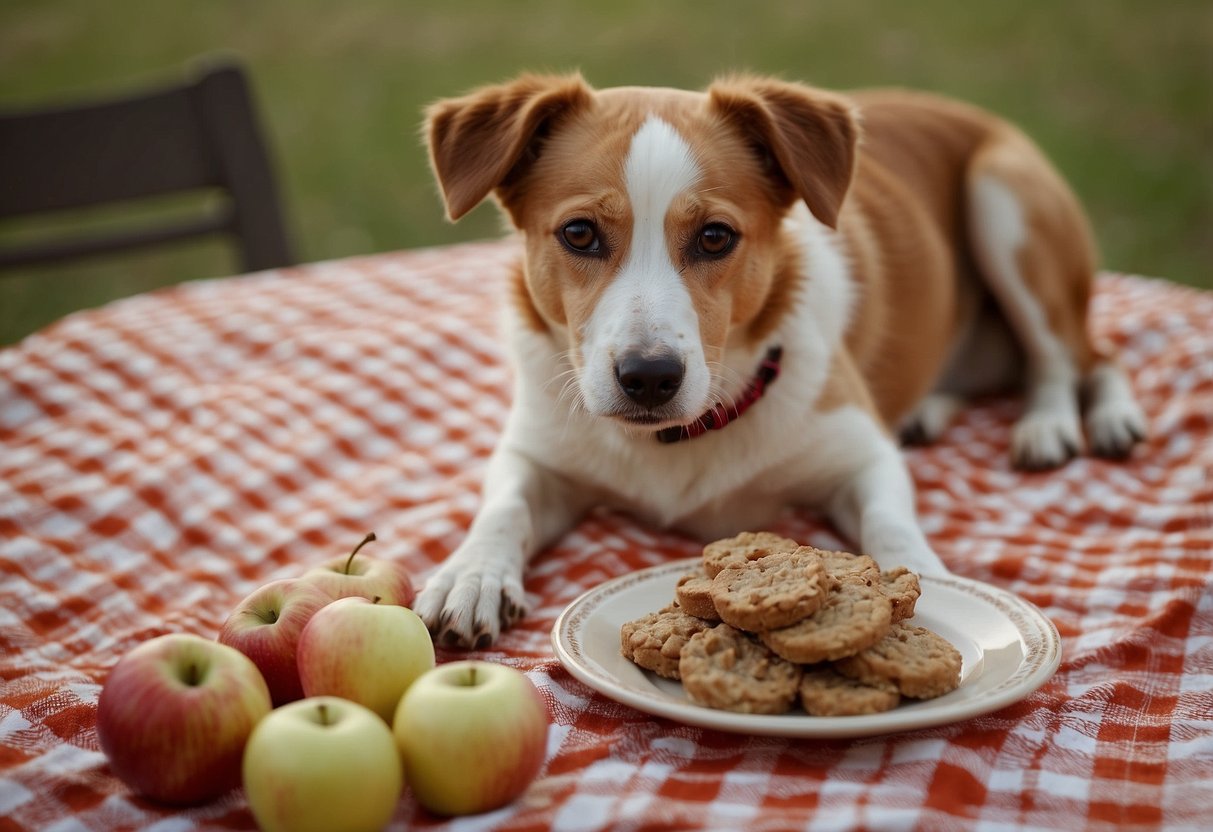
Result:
[{"x": 200, "y": 135}]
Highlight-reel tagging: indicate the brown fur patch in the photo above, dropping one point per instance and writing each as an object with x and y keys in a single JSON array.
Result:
[{"x": 523, "y": 303}]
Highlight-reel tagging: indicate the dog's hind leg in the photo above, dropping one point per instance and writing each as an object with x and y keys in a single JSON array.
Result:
[
  {"x": 1114, "y": 420},
  {"x": 1035, "y": 254}
]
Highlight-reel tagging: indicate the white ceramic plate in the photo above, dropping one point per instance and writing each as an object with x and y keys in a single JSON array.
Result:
[{"x": 1008, "y": 645}]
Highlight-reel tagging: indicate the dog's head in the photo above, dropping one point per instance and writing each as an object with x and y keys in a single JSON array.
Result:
[{"x": 652, "y": 220}]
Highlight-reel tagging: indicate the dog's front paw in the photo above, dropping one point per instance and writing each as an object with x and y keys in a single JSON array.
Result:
[{"x": 469, "y": 606}]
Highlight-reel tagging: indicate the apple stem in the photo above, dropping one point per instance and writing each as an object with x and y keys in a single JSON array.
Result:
[
  {"x": 369, "y": 537},
  {"x": 323, "y": 710},
  {"x": 192, "y": 676},
  {"x": 376, "y": 599},
  {"x": 472, "y": 676}
]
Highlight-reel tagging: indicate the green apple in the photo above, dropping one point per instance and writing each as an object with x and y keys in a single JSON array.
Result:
[
  {"x": 472, "y": 735},
  {"x": 363, "y": 651},
  {"x": 322, "y": 764},
  {"x": 174, "y": 715}
]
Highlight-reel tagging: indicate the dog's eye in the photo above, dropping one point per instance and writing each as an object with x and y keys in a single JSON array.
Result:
[
  {"x": 580, "y": 236},
  {"x": 716, "y": 239}
]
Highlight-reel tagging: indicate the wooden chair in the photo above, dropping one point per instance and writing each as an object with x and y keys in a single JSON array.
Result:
[{"x": 201, "y": 135}]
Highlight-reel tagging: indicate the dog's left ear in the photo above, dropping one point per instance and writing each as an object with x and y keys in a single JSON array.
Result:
[{"x": 809, "y": 134}]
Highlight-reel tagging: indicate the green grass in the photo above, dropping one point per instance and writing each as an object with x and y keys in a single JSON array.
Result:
[{"x": 1118, "y": 92}]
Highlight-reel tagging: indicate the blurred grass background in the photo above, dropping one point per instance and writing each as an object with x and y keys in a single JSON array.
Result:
[{"x": 1118, "y": 92}]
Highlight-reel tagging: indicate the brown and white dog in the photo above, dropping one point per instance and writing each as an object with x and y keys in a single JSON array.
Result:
[{"x": 732, "y": 300}]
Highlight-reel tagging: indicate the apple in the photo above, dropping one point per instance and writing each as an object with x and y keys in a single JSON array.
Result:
[
  {"x": 266, "y": 625},
  {"x": 174, "y": 715},
  {"x": 322, "y": 764},
  {"x": 345, "y": 577},
  {"x": 364, "y": 651},
  {"x": 472, "y": 735}
]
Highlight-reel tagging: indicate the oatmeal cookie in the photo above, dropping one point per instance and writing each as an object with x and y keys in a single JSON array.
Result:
[
  {"x": 922, "y": 664},
  {"x": 724, "y": 668},
  {"x": 771, "y": 592},
  {"x": 854, "y": 616},
  {"x": 844, "y": 566},
  {"x": 901, "y": 587},
  {"x": 744, "y": 547},
  {"x": 694, "y": 595},
  {"x": 655, "y": 641},
  {"x": 826, "y": 692}
]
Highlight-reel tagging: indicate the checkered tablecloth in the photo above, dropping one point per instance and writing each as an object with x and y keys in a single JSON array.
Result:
[{"x": 163, "y": 456}]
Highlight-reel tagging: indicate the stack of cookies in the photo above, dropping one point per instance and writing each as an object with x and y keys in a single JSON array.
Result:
[{"x": 766, "y": 622}]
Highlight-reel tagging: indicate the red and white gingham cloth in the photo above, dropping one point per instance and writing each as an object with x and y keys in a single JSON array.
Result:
[{"x": 165, "y": 455}]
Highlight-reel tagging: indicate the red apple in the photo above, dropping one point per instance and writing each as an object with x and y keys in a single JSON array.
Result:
[
  {"x": 364, "y": 651},
  {"x": 266, "y": 625},
  {"x": 348, "y": 576},
  {"x": 174, "y": 715},
  {"x": 472, "y": 735}
]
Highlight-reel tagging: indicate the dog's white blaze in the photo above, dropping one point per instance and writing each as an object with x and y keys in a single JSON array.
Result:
[{"x": 647, "y": 308}]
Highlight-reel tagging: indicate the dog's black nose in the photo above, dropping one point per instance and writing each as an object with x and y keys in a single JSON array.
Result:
[{"x": 649, "y": 381}]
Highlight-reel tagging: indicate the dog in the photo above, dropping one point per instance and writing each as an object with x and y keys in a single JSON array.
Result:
[{"x": 738, "y": 300}]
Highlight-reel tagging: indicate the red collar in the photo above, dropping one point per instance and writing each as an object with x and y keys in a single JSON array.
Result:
[{"x": 722, "y": 414}]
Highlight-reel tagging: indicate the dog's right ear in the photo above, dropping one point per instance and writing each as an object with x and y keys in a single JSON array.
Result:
[{"x": 479, "y": 141}]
